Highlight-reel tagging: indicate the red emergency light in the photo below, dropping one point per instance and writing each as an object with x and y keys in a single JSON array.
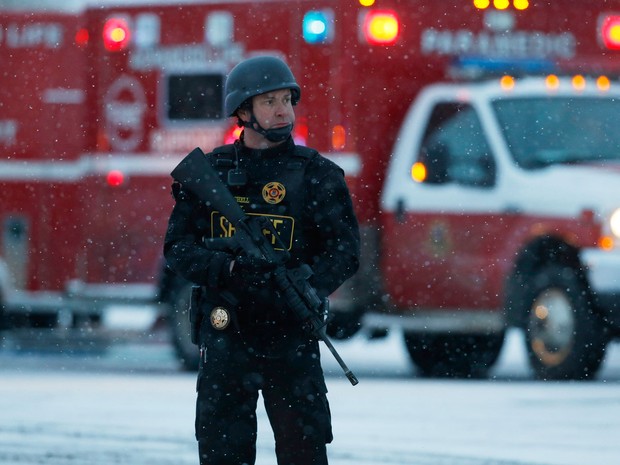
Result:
[
  {"x": 610, "y": 32},
  {"x": 300, "y": 132},
  {"x": 232, "y": 134},
  {"x": 81, "y": 37},
  {"x": 115, "y": 178},
  {"x": 381, "y": 27},
  {"x": 116, "y": 34}
]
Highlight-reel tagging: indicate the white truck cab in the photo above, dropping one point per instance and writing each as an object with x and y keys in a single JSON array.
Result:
[{"x": 502, "y": 207}]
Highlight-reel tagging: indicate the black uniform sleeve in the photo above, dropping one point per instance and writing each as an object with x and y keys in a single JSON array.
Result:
[
  {"x": 184, "y": 249},
  {"x": 336, "y": 230}
]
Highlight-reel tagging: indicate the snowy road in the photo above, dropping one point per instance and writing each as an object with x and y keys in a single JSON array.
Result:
[{"x": 133, "y": 406}]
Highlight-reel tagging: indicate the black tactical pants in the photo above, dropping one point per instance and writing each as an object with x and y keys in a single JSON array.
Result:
[{"x": 294, "y": 392}]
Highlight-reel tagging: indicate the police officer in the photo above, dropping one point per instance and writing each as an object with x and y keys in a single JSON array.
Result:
[{"x": 250, "y": 341}]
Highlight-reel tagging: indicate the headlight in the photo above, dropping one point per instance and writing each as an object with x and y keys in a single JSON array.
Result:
[{"x": 614, "y": 223}]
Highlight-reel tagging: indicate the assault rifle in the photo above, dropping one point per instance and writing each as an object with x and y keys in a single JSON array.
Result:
[{"x": 197, "y": 175}]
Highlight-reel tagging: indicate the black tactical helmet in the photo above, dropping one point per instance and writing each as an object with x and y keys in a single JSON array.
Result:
[{"x": 256, "y": 76}]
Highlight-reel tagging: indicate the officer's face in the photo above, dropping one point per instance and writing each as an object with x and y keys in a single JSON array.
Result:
[{"x": 274, "y": 109}]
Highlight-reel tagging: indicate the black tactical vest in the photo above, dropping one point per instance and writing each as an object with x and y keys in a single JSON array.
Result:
[{"x": 274, "y": 188}]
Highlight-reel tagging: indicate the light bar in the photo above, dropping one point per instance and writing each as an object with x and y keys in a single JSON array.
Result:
[
  {"x": 380, "y": 27},
  {"x": 318, "y": 27},
  {"x": 610, "y": 31},
  {"x": 116, "y": 34}
]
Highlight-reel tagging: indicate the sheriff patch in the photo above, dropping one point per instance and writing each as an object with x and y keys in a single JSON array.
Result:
[
  {"x": 273, "y": 192},
  {"x": 284, "y": 226}
]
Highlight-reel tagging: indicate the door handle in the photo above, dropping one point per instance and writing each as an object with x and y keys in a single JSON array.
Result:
[{"x": 400, "y": 211}]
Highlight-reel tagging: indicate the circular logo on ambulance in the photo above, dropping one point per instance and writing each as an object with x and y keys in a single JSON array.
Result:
[
  {"x": 439, "y": 239},
  {"x": 124, "y": 110},
  {"x": 273, "y": 192}
]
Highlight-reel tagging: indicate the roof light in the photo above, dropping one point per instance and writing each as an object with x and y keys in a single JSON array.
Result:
[
  {"x": 579, "y": 82},
  {"x": 502, "y": 4},
  {"x": 610, "y": 31},
  {"x": 318, "y": 27},
  {"x": 552, "y": 82},
  {"x": 507, "y": 82},
  {"x": 603, "y": 83},
  {"x": 367, "y": 2},
  {"x": 116, "y": 34},
  {"x": 380, "y": 27},
  {"x": 521, "y": 4}
]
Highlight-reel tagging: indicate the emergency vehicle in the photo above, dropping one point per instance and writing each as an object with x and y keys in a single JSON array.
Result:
[{"x": 477, "y": 137}]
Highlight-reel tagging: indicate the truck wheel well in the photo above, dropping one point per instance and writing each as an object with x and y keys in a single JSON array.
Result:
[{"x": 535, "y": 256}]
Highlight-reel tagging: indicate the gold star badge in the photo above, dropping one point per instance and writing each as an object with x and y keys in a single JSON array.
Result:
[{"x": 273, "y": 192}]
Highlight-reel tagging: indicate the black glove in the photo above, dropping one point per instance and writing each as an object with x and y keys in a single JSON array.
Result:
[{"x": 254, "y": 272}]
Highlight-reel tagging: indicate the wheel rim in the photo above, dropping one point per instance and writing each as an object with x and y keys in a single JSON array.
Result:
[{"x": 551, "y": 327}]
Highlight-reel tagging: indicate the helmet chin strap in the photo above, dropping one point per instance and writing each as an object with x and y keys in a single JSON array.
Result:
[{"x": 272, "y": 135}]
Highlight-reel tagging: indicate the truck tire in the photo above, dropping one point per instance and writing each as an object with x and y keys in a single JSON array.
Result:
[
  {"x": 454, "y": 355},
  {"x": 565, "y": 339},
  {"x": 178, "y": 320}
]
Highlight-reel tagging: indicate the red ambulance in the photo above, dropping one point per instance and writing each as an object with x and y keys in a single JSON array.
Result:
[{"x": 476, "y": 136}]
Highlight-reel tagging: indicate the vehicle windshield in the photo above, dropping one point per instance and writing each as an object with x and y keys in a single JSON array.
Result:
[{"x": 555, "y": 130}]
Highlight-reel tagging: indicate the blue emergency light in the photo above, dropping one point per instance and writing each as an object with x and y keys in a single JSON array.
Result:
[
  {"x": 475, "y": 67},
  {"x": 318, "y": 27}
]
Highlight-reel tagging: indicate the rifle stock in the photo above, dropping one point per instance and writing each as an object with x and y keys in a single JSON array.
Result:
[{"x": 197, "y": 175}]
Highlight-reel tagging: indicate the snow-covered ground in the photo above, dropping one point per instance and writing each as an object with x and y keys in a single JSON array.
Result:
[{"x": 133, "y": 406}]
